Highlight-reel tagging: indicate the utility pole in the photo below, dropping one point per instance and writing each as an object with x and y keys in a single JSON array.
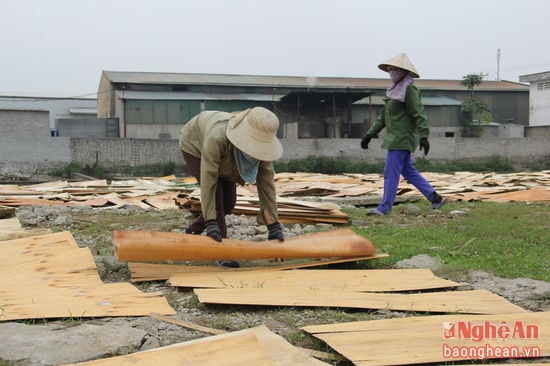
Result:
[{"x": 498, "y": 64}]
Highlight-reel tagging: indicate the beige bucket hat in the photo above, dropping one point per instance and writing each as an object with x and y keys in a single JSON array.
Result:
[
  {"x": 254, "y": 131},
  {"x": 402, "y": 61}
]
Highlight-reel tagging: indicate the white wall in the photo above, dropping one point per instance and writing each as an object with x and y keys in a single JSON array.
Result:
[
  {"x": 539, "y": 103},
  {"x": 539, "y": 98}
]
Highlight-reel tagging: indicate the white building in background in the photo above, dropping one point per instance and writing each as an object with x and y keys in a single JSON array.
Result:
[
  {"x": 539, "y": 98},
  {"x": 24, "y": 115},
  {"x": 55, "y": 108}
]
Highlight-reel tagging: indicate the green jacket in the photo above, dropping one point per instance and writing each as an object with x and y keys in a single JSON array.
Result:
[
  {"x": 405, "y": 123},
  {"x": 204, "y": 137}
]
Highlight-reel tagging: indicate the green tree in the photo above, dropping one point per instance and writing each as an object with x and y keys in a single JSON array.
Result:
[
  {"x": 478, "y": 111},
  {"x": 470, "y": 81}
]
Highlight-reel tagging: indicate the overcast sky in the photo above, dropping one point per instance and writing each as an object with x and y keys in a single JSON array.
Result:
[{"x": 60, "y": 47}]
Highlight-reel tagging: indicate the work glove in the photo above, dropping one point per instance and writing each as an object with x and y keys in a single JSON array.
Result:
[
  {"x": 213, "y": 230},
  {"x": 424, "y": 144},
  {"x": 365, "y": 141},
  {"x": 275, "y": 231}
]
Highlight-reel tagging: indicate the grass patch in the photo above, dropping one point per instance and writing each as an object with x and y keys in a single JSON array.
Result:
[
  {"x": 7, "y": 363},
  {"x": 100, "y": 172},
  {"x": 105, "y": 222},
  {"x": 493, "y": 163},
  {"x": 312, "y": 164},
  {"x": 159, "y": 170},
  {"x": 509, "y": 240},
  {"x": 320, "y": 164},
  {"x": 324, "y": 165},
  {"x": 67, "y": 171}
]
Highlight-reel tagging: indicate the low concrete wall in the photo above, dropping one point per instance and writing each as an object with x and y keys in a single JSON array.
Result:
[
  {"x": 26, "y": 155},
  {"x": 441, "y": 149},
  {"x": 41, "y": 149},
  {"x": 117, "y": 152},
  {"x": 136, "y": 152}
]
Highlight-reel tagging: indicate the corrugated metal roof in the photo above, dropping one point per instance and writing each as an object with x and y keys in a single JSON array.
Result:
[
  {"x": 18, "y": 95},
  {"x": 296, "y": 81},
  {"x": 486, "y": 85},
  {"x": 431, "y": 101},
  {"x": 539, "y": 76},
  {"x": 230, "y": 80},
  {"x": 137, "y": 95}
]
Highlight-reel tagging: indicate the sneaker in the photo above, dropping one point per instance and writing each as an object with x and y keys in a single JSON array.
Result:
[
  {"x": 375, "y": 212},
  {"x": 437, "y": 205},
  {"x": 228, "y": 263}
]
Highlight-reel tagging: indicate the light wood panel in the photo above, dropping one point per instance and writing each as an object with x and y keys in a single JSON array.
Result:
[
  {"x": 10, "y": 228},
  {"x": 473, "y": 302},
  {"x": 254, "y": 346},
  {"x": 384, "y": 280},
  {"x": 160, "y": 246},
  {"x": 418, "y": 340},
  {"x": 141, "y": 271},
  {"x": 49, "y": 276}
]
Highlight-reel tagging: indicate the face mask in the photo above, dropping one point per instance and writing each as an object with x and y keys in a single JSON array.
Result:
[
  {"x": 247, "y": 165},
  {"x": 397, "y": 74}
]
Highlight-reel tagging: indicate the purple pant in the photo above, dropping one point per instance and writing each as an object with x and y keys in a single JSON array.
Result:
[
  {"x": 400, "y": 162},
  {"x": 226, "y": 196}
]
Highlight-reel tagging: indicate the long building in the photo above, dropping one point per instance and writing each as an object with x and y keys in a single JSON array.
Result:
[{"x": 156, "y": 105}]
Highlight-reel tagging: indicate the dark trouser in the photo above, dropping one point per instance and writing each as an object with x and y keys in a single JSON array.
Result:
[{"x": 226, "y": 196}]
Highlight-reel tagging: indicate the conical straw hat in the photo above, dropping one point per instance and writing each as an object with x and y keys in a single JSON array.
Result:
[
  {"x": 402, "y": 61},
  {"x": 254, "y": 131}
]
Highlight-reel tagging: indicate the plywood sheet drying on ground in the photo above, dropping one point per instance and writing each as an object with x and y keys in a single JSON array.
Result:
[
  {"x": 460, "y": 185},
  {"x": 371, "y": 280},
  {"x": 49, "y": 276},
  {"x": 289, "y": 210},
  {"x": 540, "y": 194},
  {"x": 161, "y": 246},
  {"x": 366, "y": 189},
  {"x": 98, "y": 193},
  {"x": 470, "y": 302},
  {"x": 437, "y": 339},
  {"x": 10, "y": 228},
  {"x": 140, "y": 271},
  {"x": 254, "y": 346}
]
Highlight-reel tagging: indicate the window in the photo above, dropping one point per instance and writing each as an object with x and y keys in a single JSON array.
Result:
[{"x": 160, "y": 111}]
